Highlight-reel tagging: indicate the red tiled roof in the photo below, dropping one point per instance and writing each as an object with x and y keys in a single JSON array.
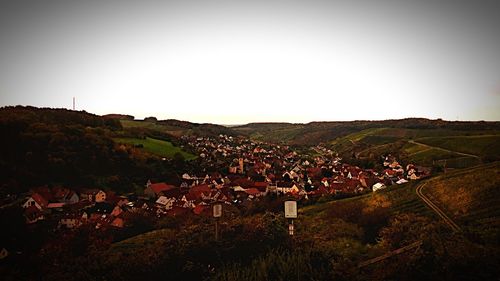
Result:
[
  {"x": 196, "y": 191},
  {"x": 390, "y": 172},
  {"x": 42, "y": 201},
  {"x": 199, "y": 209},
  {"x": 200, "y": 188},
  {"x": 118, "y": 222},
  {"x": 60, "y": 192},
  {"x": 56, "y": 205},
  {"x": 161, "y": 186},
  {"x": 243, "y": 182},
  {"x": 177, "y": 210},
  {"x": 252, "y": 191},
  {"x": 261, "y": 186}
]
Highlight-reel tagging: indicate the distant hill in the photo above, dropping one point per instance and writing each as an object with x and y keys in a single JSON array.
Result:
[
  {"x": 119, "y": 116},
  {"x": 450, "y": 144},
  {"x": 318, "y": 132},
  {"x": 23, "y": 116},
  {"x": 440, "y": 146},
  {"x": 179, "y": 128}
]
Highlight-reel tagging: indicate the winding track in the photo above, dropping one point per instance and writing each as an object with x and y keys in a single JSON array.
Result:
[{"x": 438, "y": 211}]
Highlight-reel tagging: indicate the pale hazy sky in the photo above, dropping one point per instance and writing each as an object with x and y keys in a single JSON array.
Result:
[{"x": 233, "y": 62}]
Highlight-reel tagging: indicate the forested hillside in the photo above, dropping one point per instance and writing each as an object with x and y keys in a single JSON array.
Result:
[{"x": 57, "y": 146}]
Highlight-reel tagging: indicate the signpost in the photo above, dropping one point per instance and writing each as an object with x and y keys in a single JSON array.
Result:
[
  {"x": 290, "y": 214},
  {"x": 217, "y": 212}
]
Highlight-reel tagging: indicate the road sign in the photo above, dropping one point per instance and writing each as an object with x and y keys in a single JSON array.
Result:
[
  {"x": 291, "y": 209},
  {"x": 217, "y": 210}
]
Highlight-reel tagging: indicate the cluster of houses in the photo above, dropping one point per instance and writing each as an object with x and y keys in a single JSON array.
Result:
[
  {"x": 69, "y": 208},
  {"x": 247, "y": 171}
]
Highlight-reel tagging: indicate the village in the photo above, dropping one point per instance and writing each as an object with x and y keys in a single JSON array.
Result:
[{"x": 245, "y": 172}]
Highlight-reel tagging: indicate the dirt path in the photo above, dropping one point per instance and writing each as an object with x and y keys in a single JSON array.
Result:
[{"x": 435, "y": 208}]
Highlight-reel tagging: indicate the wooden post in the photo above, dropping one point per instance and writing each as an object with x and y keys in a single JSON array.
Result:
[{"x": 216, "y": 229}]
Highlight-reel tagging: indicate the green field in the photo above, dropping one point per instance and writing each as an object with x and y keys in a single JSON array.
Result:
[
  {"x": 481, "y": 145},
  {"x": 428, "y": 156},
  {"x": 158, "y": 147}
]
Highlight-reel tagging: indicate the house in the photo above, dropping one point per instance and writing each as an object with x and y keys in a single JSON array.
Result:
[
  {"x": 178, "y": 210},
  {"x": 36, "y": 200},
  {"x": 117, "y": 210},
  {"x": 413, "y": 176},
  {"x": 71, "y": 198},
  {"x": 253, "y": 192},
  {"x": 401, "y": 181},
  {"x": 233, "y": 169},
  {"x": 56, "y": 206},
  {"x": 100, "y": 196},
  {"x": 261, "y": 186},
  {"x": 321, "y": 190},
  {"x": 33, "y": 214},
  {"x": 390, "y": 173},
  {"x": 154, "y": 190},
  {"x": 101, "y": 208},
  {"x": 325, "y": 182},
  {"x": 165, "y": 203},
  {"x": 65, "y": 195},
  {"x": 93, "y": 195},
  {"x": 378, "y": 186},
  {"x": 287, "y": 188},
  {"x": 70, "y": 221},
  {"x": 196, "y": 193},
  {"x": 118, "y": 222},
  {"x": 122, "y": 201}
]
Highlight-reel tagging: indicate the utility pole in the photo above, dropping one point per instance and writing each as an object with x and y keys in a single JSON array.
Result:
[{"x": 73, "y": 103}]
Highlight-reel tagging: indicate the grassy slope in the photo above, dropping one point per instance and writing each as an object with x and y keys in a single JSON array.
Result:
[
  {"x": 378, "y": 141},
  {"x": 339, "y": 226},
  {"x": 481, "y": 145},
  {"x": 158, "y": 147},
  {"x": 400, "y": 199},
  {"x": 471, "y": 197}
]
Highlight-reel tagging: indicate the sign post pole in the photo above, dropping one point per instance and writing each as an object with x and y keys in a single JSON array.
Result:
[
  {"x": 217, "y": 212},
  {"x": 216, "y": 229},
  {"x": 290, "y": 214}
]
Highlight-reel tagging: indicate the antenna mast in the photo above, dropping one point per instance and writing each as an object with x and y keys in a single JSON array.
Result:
[{"x": 73, "y": 103}]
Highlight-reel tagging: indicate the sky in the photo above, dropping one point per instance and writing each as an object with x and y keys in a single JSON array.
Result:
[{"x": 235, "y": 62}]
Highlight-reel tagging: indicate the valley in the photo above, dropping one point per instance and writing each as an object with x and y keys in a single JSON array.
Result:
[{"x": 128, "y": 199}]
